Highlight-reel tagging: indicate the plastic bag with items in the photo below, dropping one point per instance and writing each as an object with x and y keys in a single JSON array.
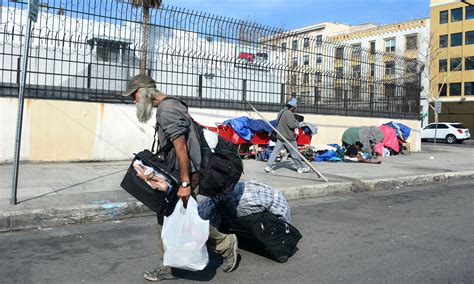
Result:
[{"x": 184, "y": 238}]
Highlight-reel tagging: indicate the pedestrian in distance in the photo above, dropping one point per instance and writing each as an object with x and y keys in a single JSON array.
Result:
[
  {"x": 286, "y": 125},
  {"x": 175, "y": 132}
]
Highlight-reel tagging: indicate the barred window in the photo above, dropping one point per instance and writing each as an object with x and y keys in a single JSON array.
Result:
[
  {"x": 411, "y": 42},
  {"x": 389, "y": 67}
]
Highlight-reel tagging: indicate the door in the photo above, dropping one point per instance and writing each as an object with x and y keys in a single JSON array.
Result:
[
  {"x": 442, "y": 131},
  {"x": 428, "y": 132}
]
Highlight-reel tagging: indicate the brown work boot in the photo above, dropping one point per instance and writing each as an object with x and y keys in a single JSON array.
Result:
[{"x": 230, "y": 258}]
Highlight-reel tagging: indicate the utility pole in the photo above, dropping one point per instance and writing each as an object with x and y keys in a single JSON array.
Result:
[{"x": 33, "y": 6}]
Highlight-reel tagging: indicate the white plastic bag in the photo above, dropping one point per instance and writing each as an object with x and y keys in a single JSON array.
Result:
[{"x": 184, "y": 238}]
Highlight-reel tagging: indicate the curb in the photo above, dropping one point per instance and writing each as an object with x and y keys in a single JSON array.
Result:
[{"x": 106, "y": 211}]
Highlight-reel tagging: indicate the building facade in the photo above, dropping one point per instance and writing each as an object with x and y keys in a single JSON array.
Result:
[
  {"x": 403, "y": 45},
  {"x": 452, "y": 55}
]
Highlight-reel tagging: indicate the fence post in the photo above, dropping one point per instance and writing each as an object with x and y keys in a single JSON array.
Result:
[
  {"x": 244, "y": 90},
  {"x": 18, "y": 70},
  {"x": 345, "y": 101},
  {"x": 316, "y": 98},
  {"x": 89, "y": 73},
  {"x": 282, "y": 93},
  {"x": 200, "y": 90}
]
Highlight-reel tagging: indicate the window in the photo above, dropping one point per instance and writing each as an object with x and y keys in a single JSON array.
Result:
[
  {"x": 458, "y": 125},
  {"x": 470, "y": 37},
  {"x": 389, "y": 67},
  {"x": 339, "y": 52},
  {"x": 443, "y": 41},
  {"x": 356, "y": 70},
  {"x": 442, "y": 89},
  {"x": 294, "y": 61},
  {"x": 411, "y": 66},
  {"x": 305, "y": 78},
  {"x": 356, "y": 50},
  {"x": 305, "y": 98},
  {"x": 319, "y": 57},
  {"x": 456, "y": 15},
  {"x": 442, "y": 126},
  {"x": 108, "y": 53},
  {"x": 469, "y": 12},
  {"x": 455, "y": 64},
  {"x": 455, "y": 89},
  {"x": 305, "y": 59},
  {"x": 306, "y": 42},
  {"x": 372, "y": 69},
  {"x": 469, "y": 63},
  {"x": 338, "y": 92},
  {"x": 293, "y": 79},
  {"x": 294, "y": 45},
  {"x": 319, "y": 39},
  {"x": 372, "y": 47},
  {"x": 456, "y": 39},
  {"x": 283, "y": 46},
  {"x": 443, "y": 17},
  {"x": 469, "y": 88},
  {"x": 411, "y": 42},
  {"x": 443, "y": 65},
  {"x": 389, "y": 90},
  {"x": 390, "y": 45},
  {"x": 356, "y": 92},
  {"x": 317, "y": 94},
  {"x": 318, "y": 77},
  {"x": 339, "y": 72}
]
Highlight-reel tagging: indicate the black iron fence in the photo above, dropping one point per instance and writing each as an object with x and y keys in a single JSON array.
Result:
[{"x": 86, "y": 50}]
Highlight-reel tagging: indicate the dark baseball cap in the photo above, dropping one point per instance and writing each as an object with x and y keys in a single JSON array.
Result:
[{"x": 137, "y": 82}]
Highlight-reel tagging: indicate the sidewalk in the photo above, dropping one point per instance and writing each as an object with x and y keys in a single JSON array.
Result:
[{"x": 52, "y": 194}]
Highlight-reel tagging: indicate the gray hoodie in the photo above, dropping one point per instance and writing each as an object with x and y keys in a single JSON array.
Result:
[{"x": 286, "y": 124}]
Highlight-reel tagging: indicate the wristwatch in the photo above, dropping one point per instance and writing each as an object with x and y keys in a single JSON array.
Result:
[{"x": 185, "y": 184}]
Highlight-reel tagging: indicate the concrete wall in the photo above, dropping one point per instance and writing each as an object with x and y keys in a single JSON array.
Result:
[{"x": 76, "y": 131}]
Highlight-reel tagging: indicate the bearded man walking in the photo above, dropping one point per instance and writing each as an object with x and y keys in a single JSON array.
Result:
[{"x": 175, "y": 132}]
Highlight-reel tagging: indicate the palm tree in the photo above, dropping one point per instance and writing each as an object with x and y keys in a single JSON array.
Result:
[{"x": 146, "y": 5}]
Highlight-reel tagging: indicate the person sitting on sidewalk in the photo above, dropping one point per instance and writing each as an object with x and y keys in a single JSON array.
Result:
[
  {"x": 286, "y": 124},
  {"x": 354, "y": 154},
  {"x": 174, "y": 133}
]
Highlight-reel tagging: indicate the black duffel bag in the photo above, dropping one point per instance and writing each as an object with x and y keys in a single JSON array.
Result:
[
  {"x": 158, "y": 201},
  {"x": 278, "y": 237}
]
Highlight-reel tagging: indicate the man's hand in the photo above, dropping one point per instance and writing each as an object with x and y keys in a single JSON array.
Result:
[{"x": 184, "y": 192}]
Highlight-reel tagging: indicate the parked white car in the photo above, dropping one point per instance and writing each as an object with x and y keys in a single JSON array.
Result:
[{"x": 450, "y": 131}]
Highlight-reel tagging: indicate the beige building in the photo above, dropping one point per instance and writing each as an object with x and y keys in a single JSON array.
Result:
[
  {"x": 395, "y": 52},
  {"x": 452, "y": 56}
]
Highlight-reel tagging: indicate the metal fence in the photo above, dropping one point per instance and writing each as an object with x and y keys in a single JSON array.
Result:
[{"x": 86, "y": 50}]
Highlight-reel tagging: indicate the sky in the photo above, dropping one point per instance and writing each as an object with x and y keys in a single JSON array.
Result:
[{"x": 291, "y": 14}]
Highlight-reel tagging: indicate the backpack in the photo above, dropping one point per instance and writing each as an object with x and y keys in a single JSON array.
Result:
[{"x": 220, "y": 170}]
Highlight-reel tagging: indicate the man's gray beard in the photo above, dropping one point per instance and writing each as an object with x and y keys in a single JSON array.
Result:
[{"x": 144, "y": 109}]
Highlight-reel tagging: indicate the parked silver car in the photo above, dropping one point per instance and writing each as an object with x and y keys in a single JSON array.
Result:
[{"x": 452, "y": 132}]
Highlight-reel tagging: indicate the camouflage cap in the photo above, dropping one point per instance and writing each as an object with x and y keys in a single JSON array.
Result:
[{"x": 137, "y": 82}]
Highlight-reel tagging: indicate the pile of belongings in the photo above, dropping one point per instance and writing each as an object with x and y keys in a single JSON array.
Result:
[
  {"x": 246, "y": 127},
  {"x": 383, "y": 140},
  {"x": 394, "y": 134}
]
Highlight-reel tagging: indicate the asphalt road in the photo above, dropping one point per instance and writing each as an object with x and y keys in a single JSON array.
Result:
[{"x": 421, "y": 234}]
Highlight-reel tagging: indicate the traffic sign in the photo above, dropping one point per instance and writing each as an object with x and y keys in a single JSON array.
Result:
[
  {"x": 437, "y": 108},
  {"x": 33, "y": 7}
]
